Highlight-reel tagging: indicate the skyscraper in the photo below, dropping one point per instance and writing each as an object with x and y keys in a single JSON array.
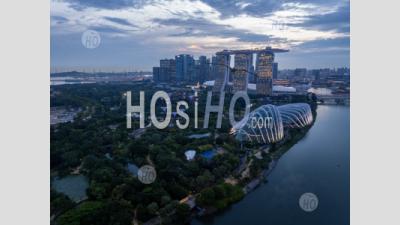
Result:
[
  {"x": 264, "y": 66},
  {"x": 275, "y": 70},
  {"x": 252, "y": 75},
  {"x": 243, "y": 64},
  {"x": 185, "y": 68},
  {"x": 213, "y": 69},
  {"x": 264, "y": 70},
  {"x": 209, "y": 66},
  {"x": 160, "y": 75},
  {"x": 221, "y": 71},
  {"x": 203, "y": 69},
  {"x": 156, "y": 74},
  {"x": 168, "y": 70}
]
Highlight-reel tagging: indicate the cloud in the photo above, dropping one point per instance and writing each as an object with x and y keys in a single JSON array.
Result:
[
  {"x": 119, "y": 21},
  {"x": 208, "y": 25},
  {"x": 242, "y": 5}
]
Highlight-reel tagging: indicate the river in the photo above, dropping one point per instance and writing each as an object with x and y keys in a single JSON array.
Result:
[{"x": 319, "y": 163}]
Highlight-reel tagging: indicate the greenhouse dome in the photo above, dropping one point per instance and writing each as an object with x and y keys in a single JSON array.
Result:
[
  {"x": 263, "y": 125},
  {"x": 296, "y": 115}
]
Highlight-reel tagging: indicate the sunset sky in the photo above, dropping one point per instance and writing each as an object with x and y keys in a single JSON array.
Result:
[{"x": 136, "y": 34}]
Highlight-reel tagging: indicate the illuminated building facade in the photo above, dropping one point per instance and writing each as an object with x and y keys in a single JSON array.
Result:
[
  {"x": 267, "y": 123},
  {"x": 244, "y": 61},
  {"x": 221, "y": 72},
  {"x": 264, "y": 70},
  {"x": 243, "y": 65},
  {"x": 263, "y": 125},
  {"x": 296, "y": 115}
]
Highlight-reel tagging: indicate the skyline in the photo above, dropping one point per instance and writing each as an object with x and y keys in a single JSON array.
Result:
[{"x": 137, "y": 34}]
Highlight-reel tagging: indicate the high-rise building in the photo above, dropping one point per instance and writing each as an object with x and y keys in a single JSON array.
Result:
[
  {"x": 264, "y": 66},
  {"x": 156, "y": 74},
  {"x": 316, "y": 74},
  {"x": 213, "y": 68},
  {"x": 343, "y": 71},
  {"x": 197, "y": 73},
  {"x": 185, "y": 68},
  {"x": 300, "y": 72},
  {"x": 252, "y": 75},
  {"x": 203, "y": 67},
  {"x": 243, "y": 64},
  {"x": 275, "y": 70},
  {"x": 221, "y": 71},
  {"x": 160, "y": 75},
  {"x": 208, "y": 73},
  {"x": 168, "y": 69}
]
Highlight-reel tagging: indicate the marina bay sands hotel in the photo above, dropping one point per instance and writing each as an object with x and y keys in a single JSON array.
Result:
[{"x": 243, "y": 62}]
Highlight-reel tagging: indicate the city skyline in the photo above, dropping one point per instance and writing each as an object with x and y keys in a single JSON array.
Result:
[{"x": 136, "y": 34}]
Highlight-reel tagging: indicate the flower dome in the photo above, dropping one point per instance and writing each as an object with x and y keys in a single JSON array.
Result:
[
  {"x": 263, "y": 125},
  {"x": 296, "y": 115},
  {"x": 266, "y": 123}
]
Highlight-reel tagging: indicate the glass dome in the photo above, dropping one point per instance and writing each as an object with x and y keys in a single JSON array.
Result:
[
  {"x": 263, "y": 125},
  {"x": 296, "y": 115}
]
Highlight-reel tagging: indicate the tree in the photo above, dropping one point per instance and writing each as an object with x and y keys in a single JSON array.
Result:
[
  {"x": 59, "y": 202},
  {"x": 97, "y": 190},
  {"x": 219, "y": 191},
  {"x": 183, "y": 211},
  {"x": 205, "y": 180},
  {"x": 152, "y": 208},
  {"x": 207, "y": 197},
  {"x": 165, "y": 200},
  {"x": 88, "y": 213}
]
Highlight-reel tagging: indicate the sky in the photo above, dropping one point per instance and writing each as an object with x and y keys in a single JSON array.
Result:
[{"x": 136, "y": 34}]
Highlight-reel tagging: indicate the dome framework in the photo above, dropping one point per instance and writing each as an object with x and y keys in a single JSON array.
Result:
[{"x": 266, "y": 124}]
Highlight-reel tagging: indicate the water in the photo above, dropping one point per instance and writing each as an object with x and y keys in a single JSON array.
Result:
[
  {"x": 208, "y": 154},
  {"x": 133, "y": 169},
  {"x": 73, "y": 186},
  {"x": 68, "y": 80},
  {"x": 319, "y": 163}
]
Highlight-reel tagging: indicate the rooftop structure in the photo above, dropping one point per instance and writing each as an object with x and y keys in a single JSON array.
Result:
[{"x": 264, "y": 69}]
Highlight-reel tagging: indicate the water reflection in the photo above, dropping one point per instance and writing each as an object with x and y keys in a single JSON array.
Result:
[
  {"x": 73, "y": 186},
  {"x": 319, "y": 163}
]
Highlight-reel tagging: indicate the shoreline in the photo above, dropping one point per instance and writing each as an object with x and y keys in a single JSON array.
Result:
[{"x": 274, "y": 154}]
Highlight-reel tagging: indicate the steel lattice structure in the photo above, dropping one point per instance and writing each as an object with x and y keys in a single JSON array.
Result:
[
  {"x": 266, "y": 124},
  {"x": 263, "y": 125},
  {"x": 296, "y": 115}
]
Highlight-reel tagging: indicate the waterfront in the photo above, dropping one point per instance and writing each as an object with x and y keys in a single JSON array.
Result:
[{"x": 319, "y": 163}]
